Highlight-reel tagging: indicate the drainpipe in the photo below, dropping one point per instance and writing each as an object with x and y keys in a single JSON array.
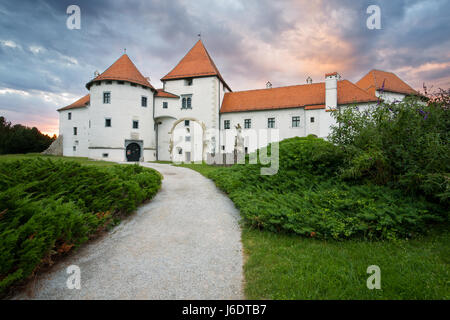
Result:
[
  {"x": 155, "y": 125},
  {"x": 220, "y": 120}
]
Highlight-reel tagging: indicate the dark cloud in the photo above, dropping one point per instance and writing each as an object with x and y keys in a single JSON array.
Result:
[{"x": 251, "y": 41}]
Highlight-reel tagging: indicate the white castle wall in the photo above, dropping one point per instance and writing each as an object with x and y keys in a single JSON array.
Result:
[
  {"x": 80, "y": 120},
  {"x": 390, "y": 97},
  {"x": 207, "y": 94},
  {"x": 125, "y": 107}
]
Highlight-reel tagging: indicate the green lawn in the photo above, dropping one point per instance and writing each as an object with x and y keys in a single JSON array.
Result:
[
  {"x": 281, "y": 266},
  {"x": 290, "y": 267},
  {"x": 38, "y": 155}
]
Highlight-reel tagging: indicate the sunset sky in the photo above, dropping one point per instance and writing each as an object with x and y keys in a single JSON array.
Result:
[{"x": 45, "y": 66}]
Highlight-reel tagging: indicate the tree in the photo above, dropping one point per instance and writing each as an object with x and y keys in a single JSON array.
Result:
[{"x": 21, "y": 139}]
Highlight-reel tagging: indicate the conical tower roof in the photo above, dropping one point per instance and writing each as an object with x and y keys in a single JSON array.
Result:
[
  {"x": 123, "y": 70},
  {"x": 196, "y": 63}
]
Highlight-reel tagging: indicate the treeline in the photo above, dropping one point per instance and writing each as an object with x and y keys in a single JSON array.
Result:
[{"x": 21, "y": 139}]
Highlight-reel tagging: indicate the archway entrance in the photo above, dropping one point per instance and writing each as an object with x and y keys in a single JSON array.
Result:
[
  {"x": 133, "y": 152},
  {"x": 187, "y": 140}
]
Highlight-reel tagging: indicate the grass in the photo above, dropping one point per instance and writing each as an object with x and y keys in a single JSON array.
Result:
[
  {"x": 290, "y": 267},
  {"x": 284, "y": 266},
  {"x": 80, "y": 160}
]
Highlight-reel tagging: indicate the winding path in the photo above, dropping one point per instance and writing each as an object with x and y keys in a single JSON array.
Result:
[{"x": 185, "y": 244}]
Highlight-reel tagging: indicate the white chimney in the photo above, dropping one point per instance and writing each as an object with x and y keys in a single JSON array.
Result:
[
  {"x": 308, "y": 80},
  {"x": 331, "y": 80}
]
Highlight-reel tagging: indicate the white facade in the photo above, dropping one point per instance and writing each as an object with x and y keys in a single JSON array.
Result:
[{"x": 183, "y": 122}]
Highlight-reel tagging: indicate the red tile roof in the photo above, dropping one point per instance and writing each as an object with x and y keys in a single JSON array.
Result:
[
  {"x": 375, "y": 78},
  {"x": 310, "y": 96},
  {"x": 196, "y": 63},
  {"x": 123, "y": 70},
  {"x": 165, "y": 94},
  {"x": 80, "y": 103}
]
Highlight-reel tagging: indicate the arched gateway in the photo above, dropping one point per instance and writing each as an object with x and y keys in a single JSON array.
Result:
[{"x": 133, "y": 152}]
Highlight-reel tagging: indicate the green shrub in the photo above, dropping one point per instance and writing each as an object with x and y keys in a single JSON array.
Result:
[
  {"x": 308, "y": 197},
  {"x": 47, "y": 207},
  {"x": 404, "y": 145}
]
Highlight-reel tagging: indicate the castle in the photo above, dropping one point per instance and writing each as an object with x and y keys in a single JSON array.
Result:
[{"x": 124, "y": 118}]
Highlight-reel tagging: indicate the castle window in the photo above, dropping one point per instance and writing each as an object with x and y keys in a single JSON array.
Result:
[
  {"x": 98, "y": 83},
  {"x": 312, "y": 119},
  {"x": 226, "y": 124},
  {"x": 108, "y": 122},
  {"x": 186, "y": 123},
  {"x": 186, "y": 102},
  {"x": 69, "y": 116},
  {"x": 295, "y": 122},
  {"x": 105, "y": 155},
  {"x": 188, "y": 82},
  {"x": 165, "y": 104},
  {"x": 247, "y": 123},
  {"x": 143, "y": 101},
  {"x": 75, "y": 131},
  {"x": 135, "y": 124},
  {"x": 74, "y": 148},
  {"x": 271, "y": 123},
  {"x": 106, "y": 97},
  {"x": 108, "y": 82},
  {"x": 133, "y": 84},
  {"x": 120, "y": 82},
  {"x": 188, "y": 138}
]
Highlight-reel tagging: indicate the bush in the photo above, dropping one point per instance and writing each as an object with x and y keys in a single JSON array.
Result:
[
  {"x": 403, "y": 145},
  {"x": 308, "y": 197},
  {"x": 48, "y": 207}
]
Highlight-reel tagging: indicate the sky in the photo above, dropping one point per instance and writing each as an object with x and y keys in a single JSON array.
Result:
[{"x": 44, "y": 65}]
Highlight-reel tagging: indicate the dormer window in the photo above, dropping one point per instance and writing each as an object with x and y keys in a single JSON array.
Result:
[{"x": 188, "y": 82}]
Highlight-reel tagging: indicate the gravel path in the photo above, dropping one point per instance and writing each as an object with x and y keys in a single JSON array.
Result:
[{"x": 185, "y": 244}]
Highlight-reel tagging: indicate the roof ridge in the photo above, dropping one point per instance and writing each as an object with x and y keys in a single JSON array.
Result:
[{"x": 288, "y": 86}]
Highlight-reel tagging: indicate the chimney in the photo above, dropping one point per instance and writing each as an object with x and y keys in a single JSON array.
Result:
[
  {"x": 309, "y": 80},
  {"x": 331, "y": 80}
]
